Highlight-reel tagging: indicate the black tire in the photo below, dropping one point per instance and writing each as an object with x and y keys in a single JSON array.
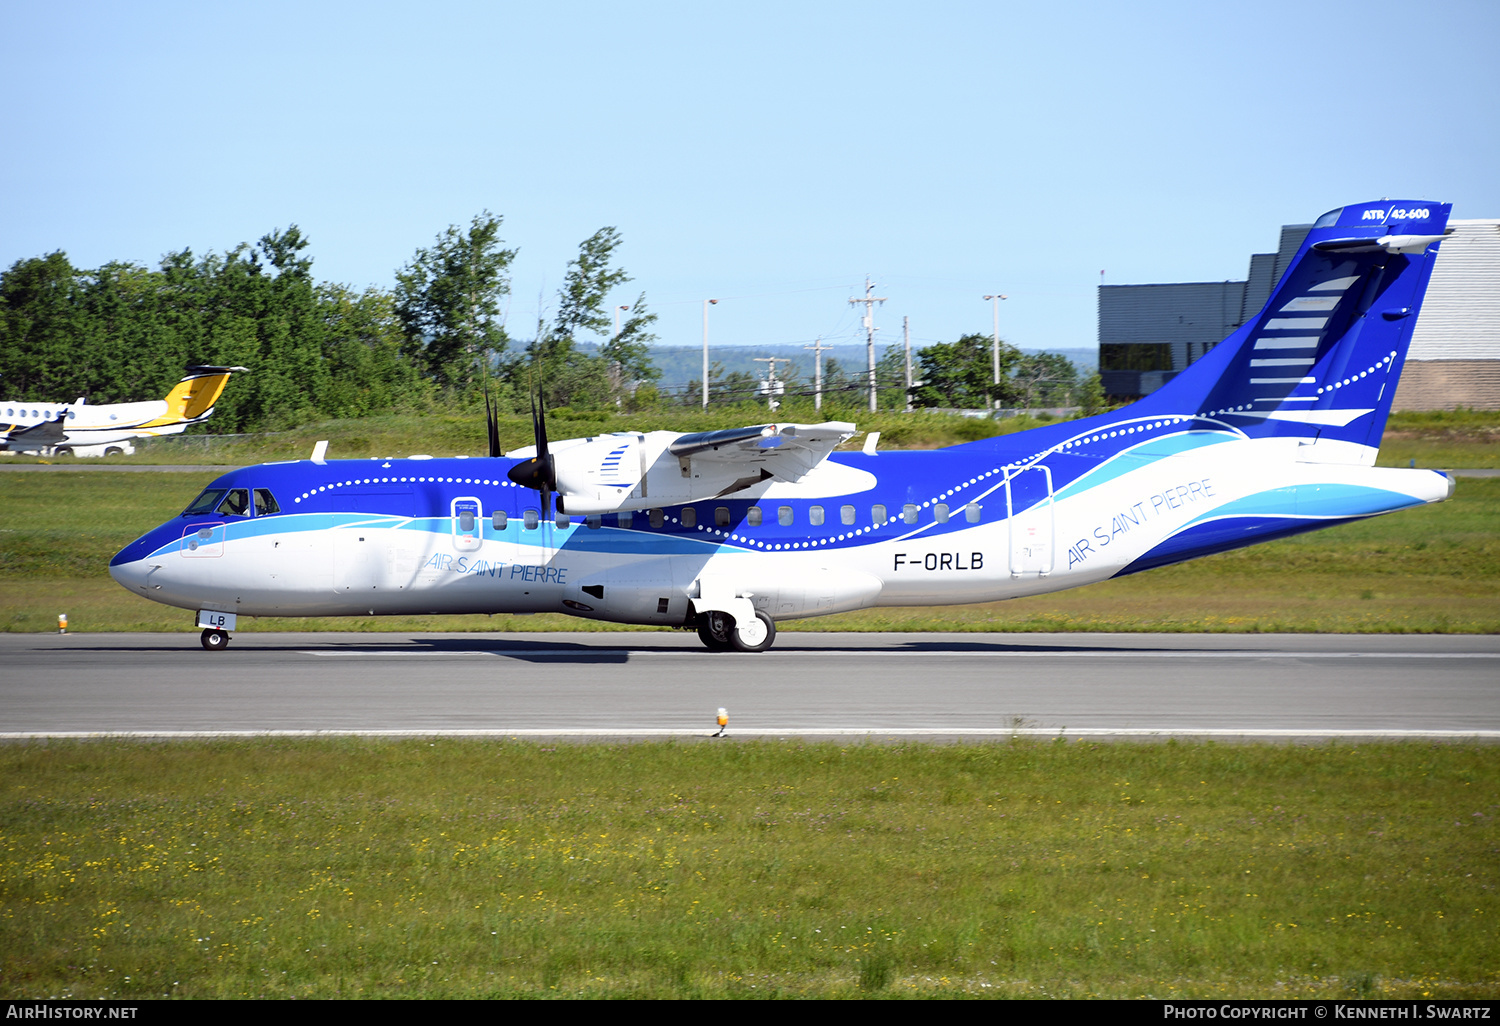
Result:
[
  {"x": 715, "y": 631},
  {"x": 215, "y": 640},
  {"x": 758, "y": 637},
  {"x": 114, "y": 450}
]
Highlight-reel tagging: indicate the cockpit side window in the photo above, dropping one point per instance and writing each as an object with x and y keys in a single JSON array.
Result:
[
  {"x": 235, "y": 504},
  {"x": 265, "y": 503},
  {"x": 204, "y": 503}
]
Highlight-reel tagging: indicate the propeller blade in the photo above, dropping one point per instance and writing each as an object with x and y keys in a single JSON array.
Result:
[
  {"x": 541, "y": 427},
  {"x": 539, "y": 472},
  {"x": 492, "y": 425}
]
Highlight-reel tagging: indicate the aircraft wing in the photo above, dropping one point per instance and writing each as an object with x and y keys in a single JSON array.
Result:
[
  {"x": 37, "y": 436},
  {"x": 785, "y": 451}
]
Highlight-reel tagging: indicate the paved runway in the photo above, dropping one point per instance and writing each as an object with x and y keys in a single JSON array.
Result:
[{"x": 811, "y": 685}]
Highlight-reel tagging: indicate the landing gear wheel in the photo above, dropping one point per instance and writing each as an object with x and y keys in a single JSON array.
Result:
[
  {"x": 756, "y": 635},
  {"x": 215, "y": 640},
  {"x": 715, "y": 630}
]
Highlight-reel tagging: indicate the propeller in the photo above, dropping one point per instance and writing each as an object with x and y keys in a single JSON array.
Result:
[
  {"x": 539, "y": 472},
  {"x": 491, "y": 425}
]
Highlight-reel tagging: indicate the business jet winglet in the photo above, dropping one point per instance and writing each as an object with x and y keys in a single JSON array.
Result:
[{"x": 1272, "y": 433}]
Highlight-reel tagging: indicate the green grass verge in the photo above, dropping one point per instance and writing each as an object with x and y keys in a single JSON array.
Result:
[
  {"x": 449, "y": 868},
  {"x": 1462, "y": 438},
  {"x": 1433, "y": 569}
]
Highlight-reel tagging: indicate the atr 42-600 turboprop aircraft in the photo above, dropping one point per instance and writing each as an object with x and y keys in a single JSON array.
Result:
[
  {"x": 1272, "y": 433},
  {"x": 56, "y": 429}
]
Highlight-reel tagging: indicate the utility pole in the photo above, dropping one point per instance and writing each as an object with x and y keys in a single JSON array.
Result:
[
  {"x": 906, "y": 341},
  {"x": 996, "y": 302},
  {"x": 869, "y": 301},
  {"x": 706, "y": 304},
  {"x": 818, "y": 349},
  {"x": 768, "y": 387}
]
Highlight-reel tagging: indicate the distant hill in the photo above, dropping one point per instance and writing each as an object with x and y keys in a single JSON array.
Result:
[{"x": 681, "y": 364}]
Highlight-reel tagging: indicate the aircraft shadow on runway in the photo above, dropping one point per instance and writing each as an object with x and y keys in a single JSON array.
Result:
[{"x": 531, "y": 649}]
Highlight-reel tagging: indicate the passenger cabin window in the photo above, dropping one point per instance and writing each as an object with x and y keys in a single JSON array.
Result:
[
  {"x": 593, "y": 522},
  {"x": 235, "y": 504},
  {"x": 815, "y": 515},
  {"x": 940, "y": 511},
  {"x": 624, "y": 519},
  {"x": 846, "y": 514},
  {"x": 498, "y": 520},
  {"x": 689, "y": 516},
  {"x": 721, "y": 516},
  {"x": 204, "y": 503},
  {"x": 531, "y": 519},
  {"x": 877, "y": 513},
  {"x": 971, "y": 512},
  {"x": 909, "y": 513},
  {"x": 265, "y": 503},
  {"x": 752, "y": 516},
  {"x": 656, "y": 517},
  {"x": 563, "y": 521},
  {"x": 784, "y": 516}
]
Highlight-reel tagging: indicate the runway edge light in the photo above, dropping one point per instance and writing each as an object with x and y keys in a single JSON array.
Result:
[
  {"x": 723, "y": 722},
  {"x": 62, "y": 626}
]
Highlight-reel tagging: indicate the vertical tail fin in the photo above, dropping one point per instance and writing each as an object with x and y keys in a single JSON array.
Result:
[
  {"x": 1320, "y": 362},
  {"x": 194, "y": 396}
]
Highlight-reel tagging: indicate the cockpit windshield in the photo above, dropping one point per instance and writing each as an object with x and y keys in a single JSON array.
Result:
[
  {"x": 205, "y": 503},
  {"x": 227, "y": 502},
  {"x": 236, "y": 503}
]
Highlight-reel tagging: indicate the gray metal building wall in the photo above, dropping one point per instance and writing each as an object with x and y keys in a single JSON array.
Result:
[{"x": 1190, "y": 317}]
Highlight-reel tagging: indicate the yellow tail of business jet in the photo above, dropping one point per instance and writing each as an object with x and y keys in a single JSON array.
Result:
[{"x": 195, "y": 395}]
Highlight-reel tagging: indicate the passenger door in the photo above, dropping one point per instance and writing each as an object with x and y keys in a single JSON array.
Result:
[{"x": 1032, "y": 521}]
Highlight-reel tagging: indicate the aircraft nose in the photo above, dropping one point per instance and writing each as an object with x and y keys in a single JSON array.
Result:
[
  {"x": 129, "y": 574},
  {"x": 132, "y": 565}
]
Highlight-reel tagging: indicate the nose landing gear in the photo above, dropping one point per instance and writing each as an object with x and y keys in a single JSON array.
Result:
[{"x": 215, "y": 640}]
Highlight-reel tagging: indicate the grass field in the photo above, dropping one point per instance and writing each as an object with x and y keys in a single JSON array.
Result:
[
  {"x": 452, "y": 868},
  {"x": 1440, "y": 439},
  {"x": 1433, "y": 569}
]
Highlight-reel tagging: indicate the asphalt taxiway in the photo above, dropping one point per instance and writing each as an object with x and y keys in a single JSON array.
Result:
[{"x": 661, "y": 684}]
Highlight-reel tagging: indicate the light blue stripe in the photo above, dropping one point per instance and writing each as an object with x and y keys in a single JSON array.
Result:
[
  {"x": 1313, "y": 502},
  {"x": 1138, "y": 457}
]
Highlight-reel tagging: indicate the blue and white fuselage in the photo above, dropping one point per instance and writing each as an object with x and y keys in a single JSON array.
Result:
[{"x": 1272, "y": 433}]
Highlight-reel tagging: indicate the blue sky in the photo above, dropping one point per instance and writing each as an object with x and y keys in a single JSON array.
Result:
[{"x": 769, "y": 155}]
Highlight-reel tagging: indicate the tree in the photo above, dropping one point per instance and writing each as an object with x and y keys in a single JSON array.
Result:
[
  {"x": 38, "y": 315},
  {"x": 565, "y": 374},
  {"x": 1044, "y": 380},
  {"x": 960, "y": 375},
  {"x": 630, "y": 350},
  {"x": 448, "y": 300}
]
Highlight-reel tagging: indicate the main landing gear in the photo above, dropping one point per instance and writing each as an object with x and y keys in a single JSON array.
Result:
[
  {"x": 215, "y": 640},
  {"x": 720, "y": 633}
]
